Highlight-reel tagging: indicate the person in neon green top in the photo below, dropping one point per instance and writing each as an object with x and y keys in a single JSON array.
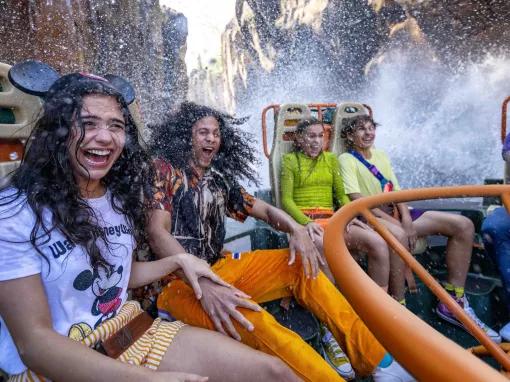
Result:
[
  {"x": 359, "y": 135},
  {"x": 311, "y": 189}
]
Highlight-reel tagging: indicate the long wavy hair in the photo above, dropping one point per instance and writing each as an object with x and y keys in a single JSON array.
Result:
[
  {"x": 236, "y": 157},
  {"x": 45, "y": 178}
]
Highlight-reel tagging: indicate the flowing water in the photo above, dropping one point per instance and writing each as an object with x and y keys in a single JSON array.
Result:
[{"x": 439, "y": 127}]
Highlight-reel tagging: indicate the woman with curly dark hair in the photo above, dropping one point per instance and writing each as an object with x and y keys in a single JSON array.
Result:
[
  {"x": 236, "y": 155},
  {"x": 70, "y": 218}
]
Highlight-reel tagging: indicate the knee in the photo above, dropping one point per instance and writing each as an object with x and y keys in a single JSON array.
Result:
[
  {"x": 378, "y": 249},
  {"x": 401, "y": 236},
  {"x": 464, "y": 228},
  {"x": 274, "y": 369}
]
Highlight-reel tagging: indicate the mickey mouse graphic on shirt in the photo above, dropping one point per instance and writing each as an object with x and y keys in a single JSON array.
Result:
[{"x": 103, "y": 281}]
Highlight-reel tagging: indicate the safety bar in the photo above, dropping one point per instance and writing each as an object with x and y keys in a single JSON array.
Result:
[
  {"x": 426, "y": 353},
  {"x": 504, "y": 109}
]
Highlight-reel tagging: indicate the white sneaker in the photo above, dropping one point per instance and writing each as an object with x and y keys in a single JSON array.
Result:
[
  {"x": 493, "y": 335},
  {"x": 393, "y": 373},
  {"x": 335, "y": 356},
  {"x": 505, "y": 332}
]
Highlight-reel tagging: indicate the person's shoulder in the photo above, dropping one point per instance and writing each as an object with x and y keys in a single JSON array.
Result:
[
  {"x": 289, "y": 157},
  {"x": 12, "y": 201},
  {"x": 346, "y": 158},
  {"x": 379, "y": 153}
]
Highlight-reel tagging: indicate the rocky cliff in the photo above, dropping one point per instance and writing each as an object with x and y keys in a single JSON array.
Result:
[
  {"x": 333, "y": 44},
  {"x": 136, "y": 39}
]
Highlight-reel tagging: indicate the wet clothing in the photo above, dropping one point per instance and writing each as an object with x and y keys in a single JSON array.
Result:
[
  {"x": 198, "y": 207},
  {"x": 496, "y": 238},
  {"x": 148, "y": 351},
  {"x": 308, "y": 183},
  {"x": 358, "y": 178},
  {"x": 87, "y": 304},
  {"x": 80, "y": 297},
  {"x": 264, "y": 275}
]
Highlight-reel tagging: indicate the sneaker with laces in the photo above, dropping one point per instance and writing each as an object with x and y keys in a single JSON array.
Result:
[
  {"x": 443, "y": 312},
  {"x": 393, "y": 373},
  {"x": 334, "y": 355}
]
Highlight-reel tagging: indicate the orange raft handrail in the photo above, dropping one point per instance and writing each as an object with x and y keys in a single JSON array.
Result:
[
  {"x": 504, "y": 109},
  {"x": 426, "y": 353}
]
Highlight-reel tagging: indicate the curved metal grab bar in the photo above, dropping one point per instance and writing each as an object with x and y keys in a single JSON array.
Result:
[{"x": 426, "y": 353}]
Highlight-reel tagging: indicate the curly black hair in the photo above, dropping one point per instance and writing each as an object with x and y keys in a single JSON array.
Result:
[
  {"x": 45, "y": 178},
  {"x": 236, "y": 157},
  {"x": 349, "y": 126}
]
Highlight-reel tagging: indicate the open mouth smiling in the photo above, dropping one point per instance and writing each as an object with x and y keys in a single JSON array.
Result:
[{"x": 97, "y": 157}]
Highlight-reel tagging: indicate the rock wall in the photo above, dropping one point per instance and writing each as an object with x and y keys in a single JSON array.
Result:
[
  {"x": 336, "y": 42},
  {"x": 136, "y": 39}
]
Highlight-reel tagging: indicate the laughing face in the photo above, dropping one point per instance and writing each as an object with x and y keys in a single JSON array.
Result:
[
  {"x": 103, "y": 141},
  {"x": 312, "y": 140},
  {"x": 363, "y": 136},
  {"x": 205, "y": 140}
]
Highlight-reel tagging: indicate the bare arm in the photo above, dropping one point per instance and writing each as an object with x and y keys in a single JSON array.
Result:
[
  {"x": 172, "y": 258},
  {"x": 24, "y": 307},
  {"x": 299, "y": 242}
]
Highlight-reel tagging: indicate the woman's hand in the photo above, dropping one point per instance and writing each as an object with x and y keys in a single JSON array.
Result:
[
  {"x": 301, "y": 243},
  {"x": 313, "y": 230},
  {"x": 195, "y": 268}
]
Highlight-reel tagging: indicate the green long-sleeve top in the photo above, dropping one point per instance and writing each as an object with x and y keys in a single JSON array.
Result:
[{"x": 310, "y": 183}]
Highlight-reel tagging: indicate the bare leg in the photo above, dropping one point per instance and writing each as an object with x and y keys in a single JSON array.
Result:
[
  {"x": 377, "y": 252},
  {"x": 397, "y": 265},
  {"x": 460, "y": 232},
  {"x": 211, "y": 354}
]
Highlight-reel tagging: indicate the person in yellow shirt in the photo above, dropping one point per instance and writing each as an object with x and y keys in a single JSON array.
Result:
[{"x": 367, "y": 171}]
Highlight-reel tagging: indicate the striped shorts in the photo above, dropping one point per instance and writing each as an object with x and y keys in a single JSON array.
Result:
[{"x": 147, "y": 351}]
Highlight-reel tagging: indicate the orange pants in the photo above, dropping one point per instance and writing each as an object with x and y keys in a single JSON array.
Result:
[{"x": 265, "y": 276}]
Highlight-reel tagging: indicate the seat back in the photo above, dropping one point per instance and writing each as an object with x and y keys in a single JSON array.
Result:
[
  {"x": 344, "y": 110},
  {"x": 288, "y": 117},
  {"x": 18, "y": 113}
]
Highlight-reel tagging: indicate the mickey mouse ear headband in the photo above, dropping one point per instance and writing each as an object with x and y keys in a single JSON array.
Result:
[{"x": 36, "y": 78}]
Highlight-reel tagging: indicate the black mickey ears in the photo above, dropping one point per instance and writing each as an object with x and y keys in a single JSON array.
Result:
[
  {"x": 36, "y": 78},
  {"x": 33, "y": 77},
  {"x": 123, "y": 86}
]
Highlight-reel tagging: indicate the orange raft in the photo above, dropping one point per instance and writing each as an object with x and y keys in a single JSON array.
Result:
[{"x": 426, "y": 353}]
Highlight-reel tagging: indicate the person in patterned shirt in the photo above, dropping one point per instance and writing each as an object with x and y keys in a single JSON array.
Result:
[{"x": 201, "y": 158}]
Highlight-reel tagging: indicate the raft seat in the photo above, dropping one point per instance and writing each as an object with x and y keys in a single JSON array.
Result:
[
  {"x": 18, "y": 113},
  {"x": 288, "y": 117}
]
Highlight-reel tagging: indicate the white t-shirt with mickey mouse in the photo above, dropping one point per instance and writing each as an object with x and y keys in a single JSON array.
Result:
[{"x": 79, "y": 297}]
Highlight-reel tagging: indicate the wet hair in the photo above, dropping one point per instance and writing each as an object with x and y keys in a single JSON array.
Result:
[
  {"x": 301, "y": 129},
  {"x": 236, "y": 157},
  {"x": 45, "y": 176},
  {"x": 350, "y": 125}
]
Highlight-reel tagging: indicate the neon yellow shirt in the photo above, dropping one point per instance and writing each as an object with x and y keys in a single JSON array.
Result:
[
  {"x": 310, "y": 183},
  {"x": 358, "y": 179}
]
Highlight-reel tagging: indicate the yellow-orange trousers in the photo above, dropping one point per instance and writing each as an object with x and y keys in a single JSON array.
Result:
[{"x": 265, "y": 275}]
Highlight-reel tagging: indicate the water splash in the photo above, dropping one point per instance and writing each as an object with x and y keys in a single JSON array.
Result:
[{"x": 439, "y": 127}]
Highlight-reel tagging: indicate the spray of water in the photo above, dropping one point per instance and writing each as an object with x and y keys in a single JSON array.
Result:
[{"x": 439, "y": 127}]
